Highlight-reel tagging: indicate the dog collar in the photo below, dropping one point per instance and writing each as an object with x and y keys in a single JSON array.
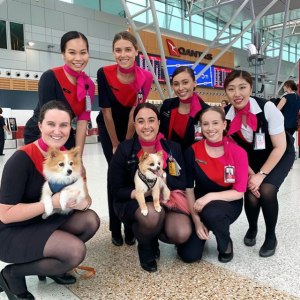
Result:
[
  {"x": 57, "y": 187},
  {"x": 150, "y": 183}
]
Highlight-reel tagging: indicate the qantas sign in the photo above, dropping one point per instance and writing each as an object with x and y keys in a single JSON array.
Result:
[{"x": 182, "y": 51}]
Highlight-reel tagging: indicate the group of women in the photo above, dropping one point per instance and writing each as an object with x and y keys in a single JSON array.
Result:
[{"x": 210, "y": 159}]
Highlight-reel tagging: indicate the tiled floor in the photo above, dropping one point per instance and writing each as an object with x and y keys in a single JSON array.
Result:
[{"x": 247, "y": 276}]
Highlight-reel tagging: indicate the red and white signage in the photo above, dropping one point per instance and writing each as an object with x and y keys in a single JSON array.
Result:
[{"x": 172, "y": 48}]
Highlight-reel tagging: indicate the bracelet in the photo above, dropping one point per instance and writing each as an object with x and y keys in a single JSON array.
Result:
[
  {"x": 263, "y": 173},
  {"x": 87, "y": 207}
]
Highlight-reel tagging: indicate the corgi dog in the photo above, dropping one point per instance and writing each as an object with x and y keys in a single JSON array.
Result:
[
  {"x": 62, "y": 170},
  {"x": 149, "y": 177}
]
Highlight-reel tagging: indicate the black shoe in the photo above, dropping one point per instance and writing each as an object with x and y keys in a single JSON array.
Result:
[
  {"x": 129, "y": 238},
  {"x": 249, "y": 240},
  {"x": 264, "y": 252},
  {"x": 157, "y": 253},
  {"x": 155, "y": 247},
  {"x": 117, "y": 241},
  {"x": 226, "y": 257},
  {"x": 63, "y": 279},
  {"x": 149, "y": 266},
  {"x": 4, "y": 287}
]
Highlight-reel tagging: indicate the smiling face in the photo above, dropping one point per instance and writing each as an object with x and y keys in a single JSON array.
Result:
[
  {"x": 55, "y": 128},
  {"x": 184, "y": 85},
  {"x": 238, "y": 92},
  {"x": 146, "y": 124},
  {"x": 124, "y": 53},
  {"x": 212, "y": 126},
  {"x": 76, "y": 54}
]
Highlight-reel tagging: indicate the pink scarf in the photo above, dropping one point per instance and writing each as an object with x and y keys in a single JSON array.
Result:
[
  {"x": 45, "y": 147},
  {"x": 158, "y": 146},
  {"x": 225, "y": 142},
  {"x": 195, "y": 104},
  {"x": 141, "y": 81},
  {"x": 236, "y": 123},
  {"x": 82, "y": 81}
]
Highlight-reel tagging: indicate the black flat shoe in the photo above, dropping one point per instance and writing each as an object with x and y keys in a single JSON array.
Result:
[
  {"x": 250, "y": 238},
  {"x": 249, "y": 242},
  {"x": 263, "y": 252},
  {"x": 4, "y": 287},
  {"x": 129, "y": 238},
  {"x": 63, "y": 279},
  {"x": 149, "y": 266},
  {"x": 117, "y": 241},
  {"x": 226, "y": 257}
]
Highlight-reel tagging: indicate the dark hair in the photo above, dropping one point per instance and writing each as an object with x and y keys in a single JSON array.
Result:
[
  {"x": 226, "y": 101},
  {"x": 292, "y": 85},
  {"x": 184, "y": 69},
  {"x": 218, "y": 110},
  {"x": 71, "y": 35},
  {"x": 1, "y": 110},
  {"x": 235, "y": 74},
  {"x": 145, "y": 105},
  {"x": 54, "y": 104},
  {"x": 125, "y": 35}
]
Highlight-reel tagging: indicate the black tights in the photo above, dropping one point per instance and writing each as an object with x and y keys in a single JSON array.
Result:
[
  {"x": 269, "y": 204},
  {"x": 177, "y": 228},
  {"x": 64, "y": 250}
]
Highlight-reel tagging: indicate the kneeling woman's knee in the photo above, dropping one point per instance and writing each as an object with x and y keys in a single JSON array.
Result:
[
  {"x": 76, "y": 252},
  {"x": 187, "y": 255}
]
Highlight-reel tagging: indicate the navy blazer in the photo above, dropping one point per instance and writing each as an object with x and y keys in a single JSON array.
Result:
[
  {"x": 165, "y": 117},
  {"x": 125, "y": 163}
]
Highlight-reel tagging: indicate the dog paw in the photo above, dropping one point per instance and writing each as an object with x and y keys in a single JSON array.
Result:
[
  {"x": 158, "y": 208},
  {"x": 144, "y": 212},
  {"x": 44, "y": 216}
]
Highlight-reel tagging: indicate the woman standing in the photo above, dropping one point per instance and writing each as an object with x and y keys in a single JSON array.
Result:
[
  {"x": 290, "y": 105},
  {"x": 217, "y": 172},
  {"x": 180, "y": 115},
  {"x": 2, "y": 137},
  {"x": 35, "y": 246},
  {"x": 70, "y": 85},
  {"x": 121, "y": 87},
  {"x": 167, "y": 225},
  {"x": 258, "y": 127}
]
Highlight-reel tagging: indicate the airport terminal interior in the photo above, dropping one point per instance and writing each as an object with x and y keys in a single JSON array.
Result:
[{"x": 212, "y": 36}]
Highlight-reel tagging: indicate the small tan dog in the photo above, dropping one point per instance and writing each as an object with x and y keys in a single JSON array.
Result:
[
  {"x": 62, "y": 170},
  {"x": 149, "y": 177}
]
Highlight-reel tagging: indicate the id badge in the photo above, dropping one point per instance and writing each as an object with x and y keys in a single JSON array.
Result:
[
  {"x": 139, "y": 98},
  {"x": 229, "y": 174},
  {"x": 172, "y": 168},
  {"x": 88, "y": 103},
  {"x": 259, "y": 140},
  {"x": 198, "y": 132}
]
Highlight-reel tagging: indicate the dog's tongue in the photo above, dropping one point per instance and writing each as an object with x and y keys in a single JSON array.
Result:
[{"x": 156, "y": 173}]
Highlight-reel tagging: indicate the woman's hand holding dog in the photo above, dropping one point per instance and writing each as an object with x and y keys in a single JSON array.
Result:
[{"x": 72, "y": 201}]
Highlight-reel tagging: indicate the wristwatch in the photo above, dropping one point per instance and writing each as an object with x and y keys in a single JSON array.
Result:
[{"x": 263, "y": 173}]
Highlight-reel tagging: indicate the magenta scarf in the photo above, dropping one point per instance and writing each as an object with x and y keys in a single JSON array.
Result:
[
  {"x": 236, "y": 123},
  {"x": 225, "y": 142},
  {"x": 158, "y": 146},
  {"x": 82, "y": 80},
  {"x": 140, "y": 80},
  {"x": 45, "y": 147},
  {"x": 195, "y": 104}
]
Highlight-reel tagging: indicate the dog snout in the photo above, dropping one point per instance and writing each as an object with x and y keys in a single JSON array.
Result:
[
  {"x": 69, "y": 172},
  {"x": 158, "y": 168}
]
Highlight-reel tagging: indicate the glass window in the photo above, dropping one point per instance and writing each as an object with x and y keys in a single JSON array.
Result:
[
  {"x": 68, "y": 1},
  {"x": 186, "y": 27},
  {"x": 174, "y": 23},
  {"x": 16, "y": 36},
  {"x": 159, "y": 6},
  {"x": 244, "y": 43},
  {"x": 3, "y": 38},
  {"x": 133, "y": 8},
  {"x": 161, "y": 19},
  {"x": 238, "y": 44},
  {"x": 197, "y": 30},
  {"x": 210, "y": 20},
  {"x": 92, "y": 4},
  {"x": 210, "y": 33},
  {"x": 174, "y": 11},
  {"x": 140, "y": 2},
  {"x": 285, "y": 55},
  {"x": 293, "y": 57},
  {"x": 197, "y": 19}
]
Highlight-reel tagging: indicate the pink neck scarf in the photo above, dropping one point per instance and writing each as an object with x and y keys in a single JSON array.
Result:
[
  {"x": 45, "y": 147},
  {"x": 195, "y": 104},
  {"x": 127, "y": 71},
  {"x": 236, "y": 123},
  {"x": 225, "y": 142},
  {"x": 83, "y": 81},
  {"x": 158, "y": 146}
]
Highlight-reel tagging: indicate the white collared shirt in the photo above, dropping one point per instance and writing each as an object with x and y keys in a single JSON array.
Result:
[{"x": 272, "y": 114}]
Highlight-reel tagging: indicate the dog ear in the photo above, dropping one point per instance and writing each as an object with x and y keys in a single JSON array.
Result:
[
  {"x": 52, "y": 152},
  {"x": 75, "y": 151},
  {"x": 160, "y": 153},
  {"x": 144, "y": 156}
]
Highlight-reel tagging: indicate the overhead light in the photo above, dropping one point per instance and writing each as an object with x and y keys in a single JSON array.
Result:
[
  {"x": 252, "y": 49},
  {"x": 30, "y": 43}
]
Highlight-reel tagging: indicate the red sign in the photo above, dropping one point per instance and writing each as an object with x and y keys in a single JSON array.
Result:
[{"x": 172, "y": 48}]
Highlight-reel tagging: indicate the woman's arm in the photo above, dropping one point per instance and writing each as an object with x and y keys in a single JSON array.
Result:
[
  {"x": 130, "y": 128},
  {"x": 282, "y": 103},
  {"x": 110, "y": 126},
  {"x": 6, "y": 129},
  {"x": 81, "y": 128}
]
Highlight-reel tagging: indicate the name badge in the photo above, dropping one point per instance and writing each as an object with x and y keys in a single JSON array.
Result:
[
  {"x": 139, "y": 98},
  {"x": 198, "y": 132},
  {"x": 259, "y": 140},
  {"x": 174, "y": 168},
  {"x": 229, "y": 174}
]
